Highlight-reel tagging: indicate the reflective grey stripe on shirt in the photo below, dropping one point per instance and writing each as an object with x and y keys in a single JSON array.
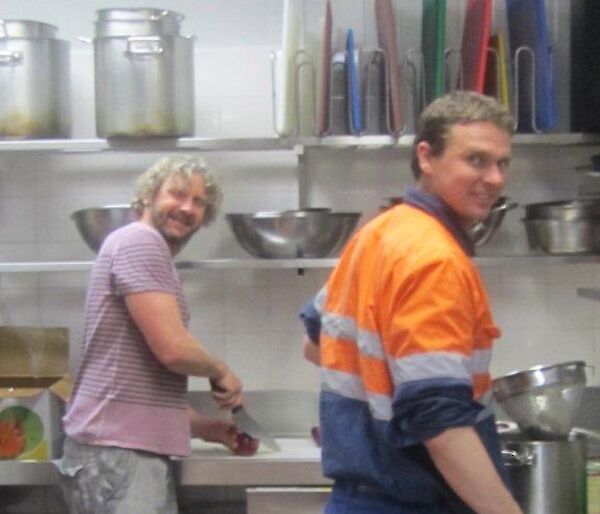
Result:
[
  {"x": 344, "y": 327},
  {"x": 480, "y": 362},
  {"x": 424, "y": 366},
  {"x": 319, "y": 300},
  {"x": 370, "y": 344},
  {"x": 351, "y": 386}
]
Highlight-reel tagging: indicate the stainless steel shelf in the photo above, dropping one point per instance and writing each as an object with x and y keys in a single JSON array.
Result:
[
  {"x": 35, "y": 267},
  {"x": 42, "y": 267},
  {"x": 95, "y": 145},
  {"x": 564, "y": 139},
  {"x": 257, "y": 264},
  {"x": 376, "y": 142},
  {"x": 146, "y": 145},
  {"x": 27, "y": 473},
  {"x": 362, "y": 142},
  {"x": 536, "y": 260},
  {"x": 299, "y": 264}
]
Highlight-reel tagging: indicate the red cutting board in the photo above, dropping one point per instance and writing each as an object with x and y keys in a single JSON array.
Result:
[
  {"x": 478, "y": 23},
  {"x": 386, "y": 31},
  {"x": 324, "y": 79}
]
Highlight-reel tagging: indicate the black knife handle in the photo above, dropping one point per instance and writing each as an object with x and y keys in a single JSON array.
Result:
[{"x": 215, "y": 387}]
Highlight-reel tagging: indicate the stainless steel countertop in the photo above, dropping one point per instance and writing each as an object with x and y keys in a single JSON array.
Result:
[{"x": 298, "y": 463}]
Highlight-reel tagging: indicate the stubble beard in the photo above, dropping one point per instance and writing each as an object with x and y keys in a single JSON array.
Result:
[{"x": 176, "y": 243}]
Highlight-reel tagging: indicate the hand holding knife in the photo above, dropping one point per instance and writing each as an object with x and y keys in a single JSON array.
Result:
[
  {"x": 245, "y": 422},
  {"x": 227, "y": 390}
]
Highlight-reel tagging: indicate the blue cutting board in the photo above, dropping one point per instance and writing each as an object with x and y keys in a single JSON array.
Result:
[
  {"x": 527, "y": 26},
  {"x": 352, "y": 63}
]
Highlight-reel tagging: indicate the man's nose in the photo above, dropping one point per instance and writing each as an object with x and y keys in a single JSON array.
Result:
[
  {"x": 187, "y": 205},
  {"x": 495, "y": 175}
]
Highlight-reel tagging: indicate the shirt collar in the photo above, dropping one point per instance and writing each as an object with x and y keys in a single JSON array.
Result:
[{"x": 433, "y": 205}]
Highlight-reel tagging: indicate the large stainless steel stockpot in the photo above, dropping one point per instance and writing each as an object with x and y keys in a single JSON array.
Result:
[
  {"x": 144, "y": 83},
  {"x": 548, "y": 477},
  {"x": 34, "y": 81},
  {"x": 137, "y": 22}
]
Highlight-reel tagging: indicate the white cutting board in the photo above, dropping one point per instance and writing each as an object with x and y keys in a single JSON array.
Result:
[
  {"x": 291, "y": 448},
  {"x": 284, "y": 68},
  {"x": 455, "y": 26}
]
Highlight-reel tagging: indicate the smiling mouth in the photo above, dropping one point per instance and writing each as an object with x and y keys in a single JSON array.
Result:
[
  {"x": 183, "y": 222},
  {"x": 488, "y": 200}
]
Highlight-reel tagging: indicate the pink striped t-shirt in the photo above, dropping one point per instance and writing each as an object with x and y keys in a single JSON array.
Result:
[{"x": 123, "y": 395}]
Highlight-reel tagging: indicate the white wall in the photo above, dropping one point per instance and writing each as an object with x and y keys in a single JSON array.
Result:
[{"x": 249, "y": 317}]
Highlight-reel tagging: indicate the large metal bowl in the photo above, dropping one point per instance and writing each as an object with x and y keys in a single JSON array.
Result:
[
  {"x": 310, "y": 233},
  {"x": 95, "y": 223},
  {"x": 543, "y": 400},
  {"x": 559, "y": 237},
  {"x": 483, "y": 230},
  {"x": 564, "y": 210}
]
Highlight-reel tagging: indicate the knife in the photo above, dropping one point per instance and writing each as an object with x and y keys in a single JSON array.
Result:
[
  {"x": 588, "y": 293},
  {"x": 248, "y": 424}
]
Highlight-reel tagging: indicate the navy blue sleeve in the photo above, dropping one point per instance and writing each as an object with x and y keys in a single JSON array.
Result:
[
  {"x": 424, "y": 409},
  {"x": 312, "y": 321}
]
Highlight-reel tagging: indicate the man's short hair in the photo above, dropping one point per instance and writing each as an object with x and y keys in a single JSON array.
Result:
[{"x": 440, "y": 115}]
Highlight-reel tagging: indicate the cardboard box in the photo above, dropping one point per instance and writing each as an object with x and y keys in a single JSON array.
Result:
[
  {"x": 34, "y": 386},
  {"x": 33, "y": 356}
]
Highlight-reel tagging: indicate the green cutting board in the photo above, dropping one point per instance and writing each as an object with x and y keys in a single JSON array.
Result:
[{"x": 433, "y": 44}]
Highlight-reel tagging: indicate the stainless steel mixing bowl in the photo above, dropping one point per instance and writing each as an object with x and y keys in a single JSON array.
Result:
[
  {"x": 310, "y": 233},
  {"x": 559, "y": 237},
  {"x": 95, "y": 223},
  {"x": 543, "y": 400},
  {"x": 564, "y": 210},
  {"x": 483, "y": 230}
]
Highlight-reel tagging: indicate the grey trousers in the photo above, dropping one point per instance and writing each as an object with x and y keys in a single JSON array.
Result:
[{"x": 111, "y": 480}]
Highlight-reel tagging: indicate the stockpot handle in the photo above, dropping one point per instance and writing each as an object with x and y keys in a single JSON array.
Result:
[
  {"x": 514, "y": 458},
  {"x": 178, "y": 17},
  {"x": 10, "y": 58},
  {"x": 144, "y": 45}
]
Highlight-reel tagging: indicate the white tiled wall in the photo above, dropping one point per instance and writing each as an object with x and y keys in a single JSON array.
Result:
[{"x": 249, "y": 317}]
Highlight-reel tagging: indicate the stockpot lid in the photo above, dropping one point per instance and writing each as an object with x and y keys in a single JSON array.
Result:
[
  {"x": 26, "y": 29},
  {"x": 123, "y": 22}
]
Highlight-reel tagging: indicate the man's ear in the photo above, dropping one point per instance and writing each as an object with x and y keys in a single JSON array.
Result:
[{"x": 424, "y": 153}]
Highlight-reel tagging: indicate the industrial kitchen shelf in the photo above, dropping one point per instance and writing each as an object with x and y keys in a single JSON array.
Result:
[
  {"x": 298, "y": 264},
  {"x": 376, "y": 142},
  {"x": 146, "y": 145},
  {"x": 34, "y": 267},
  {"x": 201, "y": 144}
]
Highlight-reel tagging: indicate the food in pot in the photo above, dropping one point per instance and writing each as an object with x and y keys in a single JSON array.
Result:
[{"x": 247, "y": 445}]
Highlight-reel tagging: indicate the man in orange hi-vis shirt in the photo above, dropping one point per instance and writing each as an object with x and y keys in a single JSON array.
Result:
[{"x": 406, "y": 334}]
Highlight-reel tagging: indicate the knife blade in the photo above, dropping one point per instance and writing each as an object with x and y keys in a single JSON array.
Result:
[
  {"x": 588, "y": 293},
  {"x": 248, "y": 424}
]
